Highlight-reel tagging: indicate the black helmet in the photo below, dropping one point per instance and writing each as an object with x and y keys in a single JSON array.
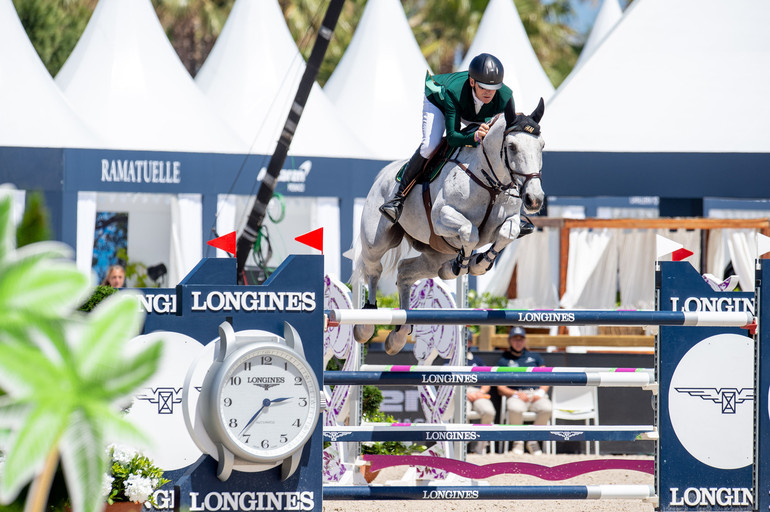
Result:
[{"x": 487, "y": 70}]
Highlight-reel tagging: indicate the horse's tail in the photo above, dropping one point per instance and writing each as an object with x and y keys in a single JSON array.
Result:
[
  {"x": 393, "y": 256},
  {"x": 357, "y": 277},
  {"x": 389, "y": 261}
]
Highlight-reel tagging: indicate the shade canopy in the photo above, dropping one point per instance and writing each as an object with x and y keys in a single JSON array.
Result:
[
  {"x": 251, "y": 77},
  {"x": 502, "y": 34},
  {"x": 126, "y": 80},
  {"x": 378, "y": 86},
  {"x": 33, "y": 110},
  {"x": 685, "y": 76}
]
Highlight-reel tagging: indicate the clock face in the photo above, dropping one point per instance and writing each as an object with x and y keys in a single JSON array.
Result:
[{"x": 266, "y": 403}]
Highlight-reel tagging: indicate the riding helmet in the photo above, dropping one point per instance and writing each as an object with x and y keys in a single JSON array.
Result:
[{"x": 487, "y": 70}]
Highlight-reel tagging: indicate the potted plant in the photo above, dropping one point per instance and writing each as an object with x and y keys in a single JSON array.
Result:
[{"x": 131, "y": 480}]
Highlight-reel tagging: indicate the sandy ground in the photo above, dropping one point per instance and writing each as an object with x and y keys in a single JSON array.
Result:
[{"x": 596, "y": 478}]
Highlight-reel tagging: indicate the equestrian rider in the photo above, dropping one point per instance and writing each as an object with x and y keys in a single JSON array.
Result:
[{"x": 473, "y": 96}]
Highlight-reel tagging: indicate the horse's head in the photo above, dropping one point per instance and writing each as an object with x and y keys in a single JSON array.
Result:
[{"x": 521, "y": 151}]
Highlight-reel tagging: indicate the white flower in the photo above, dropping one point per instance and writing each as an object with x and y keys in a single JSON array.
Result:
[
  {"x": 139, "y": 488},
  {"x": 122, "y": 454},
  {"x": 107, "y": 484}
]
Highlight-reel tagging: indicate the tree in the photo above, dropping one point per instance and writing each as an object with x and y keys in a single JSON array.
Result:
[
  {"x": 192, "y": 27},
  {"x": 54, "y": 27},
  {"x": 35, "y": 225}
]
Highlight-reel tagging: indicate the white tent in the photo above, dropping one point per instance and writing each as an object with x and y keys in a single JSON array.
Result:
[
  {"x": 125, "y": 79},
  {"x": 685, "y": 76},
  {"x": 252, "y": 75},
  {"x": 608, "y": 16},
  {"x": 502, "y": 34},
  {"x": 33, "y": 110},
  {"x": 378, "y": 86}
]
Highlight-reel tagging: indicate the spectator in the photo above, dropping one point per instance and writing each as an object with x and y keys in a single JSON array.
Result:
[
  {"x": 116, "y": 277},
  {"x": 521, "y": 398}
]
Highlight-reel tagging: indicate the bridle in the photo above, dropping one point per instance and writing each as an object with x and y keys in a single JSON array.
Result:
[
  {"x": 493, "y": 183},
  {"x": 493, "y": 180}
]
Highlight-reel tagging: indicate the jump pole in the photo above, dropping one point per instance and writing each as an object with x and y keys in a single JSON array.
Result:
[
  {"x": 416, "y": 378},
  {"x": 516, "y": 492},
  {"x": 427, "y": 432},
  {"x": 538, "y": 318}
]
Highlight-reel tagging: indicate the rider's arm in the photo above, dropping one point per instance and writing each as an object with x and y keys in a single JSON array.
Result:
[{"x": 452, "y": 120}]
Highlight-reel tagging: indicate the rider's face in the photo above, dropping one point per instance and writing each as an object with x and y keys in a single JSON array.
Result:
[{"x": 485, "y": 95}]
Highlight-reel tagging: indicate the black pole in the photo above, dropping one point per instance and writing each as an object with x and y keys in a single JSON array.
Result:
[{"x": 265, "y": 192}]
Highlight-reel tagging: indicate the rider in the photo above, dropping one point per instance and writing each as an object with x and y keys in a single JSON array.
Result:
[{"x": 473, "y": 96}]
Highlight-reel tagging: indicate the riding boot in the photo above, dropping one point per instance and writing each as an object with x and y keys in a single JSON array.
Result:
[
  {"x": 391, "y": 210},
  {"x": 525, "y": 226}
]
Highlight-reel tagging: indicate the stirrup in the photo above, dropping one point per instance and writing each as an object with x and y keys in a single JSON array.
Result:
[
  {"x": 392, "y": 209},
  {"x": 525, "y": 226}
]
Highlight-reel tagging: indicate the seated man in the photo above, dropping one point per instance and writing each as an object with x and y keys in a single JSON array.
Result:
[{"x": 521, "y": 399}]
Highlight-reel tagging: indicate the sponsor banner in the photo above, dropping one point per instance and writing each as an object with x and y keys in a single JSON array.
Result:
[
  {"x": 705, "y": 400},
  {"x": 186, "y": 320},
  {"x": 762, "y": 411}
]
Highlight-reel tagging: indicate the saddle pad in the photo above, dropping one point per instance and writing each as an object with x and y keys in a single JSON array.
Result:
[{"x": 434, "y": 165}]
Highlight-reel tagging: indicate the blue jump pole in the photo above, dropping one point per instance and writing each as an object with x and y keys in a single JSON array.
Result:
[
  {"x": 467, "y": 492},
  {"x": 537, "y": 317},
  {"x": 453, "y": 432},
  {"x": 436, "y": 378}
]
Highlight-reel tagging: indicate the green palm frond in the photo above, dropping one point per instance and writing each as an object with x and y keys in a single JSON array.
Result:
[{"x": 63, "y": 373}]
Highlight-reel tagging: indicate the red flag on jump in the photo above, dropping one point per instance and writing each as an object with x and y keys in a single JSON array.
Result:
[
  {"x": 314, "y": 239},
  {"x": 224, "y": 242},
  {"x": 680, "y": 254}
]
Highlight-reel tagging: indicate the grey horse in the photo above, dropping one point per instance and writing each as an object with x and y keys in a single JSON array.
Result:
[{"x": 476, "y": 200}]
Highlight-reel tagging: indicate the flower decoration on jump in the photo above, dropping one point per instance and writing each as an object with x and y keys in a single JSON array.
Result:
[{"x": 132, "y": 477}]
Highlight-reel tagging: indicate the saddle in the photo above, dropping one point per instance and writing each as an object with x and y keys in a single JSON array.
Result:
[{"x": 433, "y": 165}]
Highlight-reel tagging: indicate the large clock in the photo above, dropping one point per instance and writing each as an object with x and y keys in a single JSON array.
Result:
[{"x": 260, "y": 400}]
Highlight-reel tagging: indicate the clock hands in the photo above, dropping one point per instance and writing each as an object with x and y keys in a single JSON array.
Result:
[{"x": 265, "y": 403}]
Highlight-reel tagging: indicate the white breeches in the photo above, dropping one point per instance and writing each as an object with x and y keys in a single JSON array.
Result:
[{"x": 432, "y": 128}]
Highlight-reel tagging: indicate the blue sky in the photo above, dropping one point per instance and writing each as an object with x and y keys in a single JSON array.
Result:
[{"x": 586, "y": 13}]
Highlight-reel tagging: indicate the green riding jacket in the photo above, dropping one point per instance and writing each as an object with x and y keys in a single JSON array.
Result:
[{"x": 452, "y": 94}]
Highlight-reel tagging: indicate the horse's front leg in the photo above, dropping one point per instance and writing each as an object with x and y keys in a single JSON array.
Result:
[
  {"x": 363, "y": 333},
  {"x": 396, "y": 338},
  {"x": 507, "y": 233},
  {"x": 454, "y": 225},
  {"x": 410, "y": 271}
]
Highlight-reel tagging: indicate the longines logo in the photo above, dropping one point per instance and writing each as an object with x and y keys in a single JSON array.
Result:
[
  {"x": 334, "y": 436},
  {"x": 165, "y": 397},
  {"x": 266, "y": 382},
  {"x": 705, "y": 400},
  {"x": 727, "y": 397},
  {"x": 728, "y": 303},
  {"x": 566, "y": 435}
]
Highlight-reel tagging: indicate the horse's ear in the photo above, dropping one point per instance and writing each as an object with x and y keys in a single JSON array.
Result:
[
  {"x": 510, "y": 113},
  {"x": 537, "y": 114}
]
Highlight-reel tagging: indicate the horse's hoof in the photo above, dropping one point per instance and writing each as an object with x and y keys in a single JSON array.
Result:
[
  {"x": 445, "y": 271},
  {"x": 363, "y": 333},
  {"x": 480, "y": 266},
  {"x": 395, "y": 342}
]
